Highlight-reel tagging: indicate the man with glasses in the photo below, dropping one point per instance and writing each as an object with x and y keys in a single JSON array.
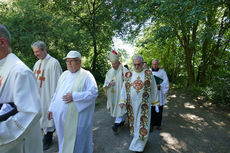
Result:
[
  {"x": 72, "y": 107},
  {"x": 19, "y": 103},
  {"x": 47, "y": 70},
  {"x": 138, "y": 93}
]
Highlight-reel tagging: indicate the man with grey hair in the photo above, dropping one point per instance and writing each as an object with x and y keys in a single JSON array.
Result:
[
  {"x": 138, "y": 93},
  {"x": 72, "y": 107},
  {"x": 47, "y": 71},
  {"x": 19, "y": 103},
  {"x": 163, "y": 86}
]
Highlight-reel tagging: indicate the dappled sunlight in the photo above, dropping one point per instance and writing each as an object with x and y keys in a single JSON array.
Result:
[
  {"x": 189, "y": 105},
  {"x": 172, "y": 96},
  {"x": 205, "y": 140},
  {"x": 228, "y": 115},
  {"x": 95, "y": 128},
  {"x": 207, "y": 104},
  {"x": 195, "y": 100},
  {"x": 192, "y": 117},
  {"x": 172, "y": 143},
  {"x": 221, "y": 124},
  {"x": 200, "y": 97},
  {"x": 125, "y": 144},
  {"x": 198, "y": 122}
]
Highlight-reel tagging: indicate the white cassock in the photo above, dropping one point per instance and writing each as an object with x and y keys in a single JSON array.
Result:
[
  {"x": 135, "y": 88},
  {"x": 21, "y": 132},
  {"x": 84, "y": 101},
  {"x": 113, "y": 92},
  {"x": 47, "y": 73},
  {"x": 164, "y": 85}
]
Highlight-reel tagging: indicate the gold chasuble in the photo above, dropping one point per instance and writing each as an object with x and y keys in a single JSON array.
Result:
[
  {"x": 139, "y": 92},
  {"x": 71, "y": 123},
  {"x": 139, "y": 85}
]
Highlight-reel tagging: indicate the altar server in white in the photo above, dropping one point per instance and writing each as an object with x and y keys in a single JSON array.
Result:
[
  {"x": 138, "y": 93},
  {"x": 19, "y": 103},
  {"x": 113, "y": 83},
  {"x": 72, "y": 107},
  {"x": 47, "y": 71},
  {"x": 163, "y": 87}
]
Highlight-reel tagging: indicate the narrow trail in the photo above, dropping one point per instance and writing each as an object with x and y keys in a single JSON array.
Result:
[{"x": 190, "y": 125}]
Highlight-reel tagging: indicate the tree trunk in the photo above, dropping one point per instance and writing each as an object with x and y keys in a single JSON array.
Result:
[
  {"x": 189, "y": 67},
  {"x": 188, "y": 61}
]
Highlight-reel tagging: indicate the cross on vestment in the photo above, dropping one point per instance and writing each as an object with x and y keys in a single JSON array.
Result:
[
  {"x": 38, "y": 71},
  {"x": 42, "y": 78}
]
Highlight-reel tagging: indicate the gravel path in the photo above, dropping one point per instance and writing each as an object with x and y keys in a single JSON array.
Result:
[{"x": 190, "y": 125}]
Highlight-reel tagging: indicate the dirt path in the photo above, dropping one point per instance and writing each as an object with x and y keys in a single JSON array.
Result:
[{"x": 190, "y": 125}]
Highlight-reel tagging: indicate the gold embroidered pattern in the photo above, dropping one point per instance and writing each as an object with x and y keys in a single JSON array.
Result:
[{"x": 138, "y": 85}]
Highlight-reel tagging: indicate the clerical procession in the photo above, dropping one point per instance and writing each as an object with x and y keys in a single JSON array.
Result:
[
  {"x": 48, "y": 100},
  {"x": 58, "y": 105}
]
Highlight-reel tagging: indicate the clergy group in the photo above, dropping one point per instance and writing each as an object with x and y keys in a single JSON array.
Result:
[{"x": 35, "y": 104}]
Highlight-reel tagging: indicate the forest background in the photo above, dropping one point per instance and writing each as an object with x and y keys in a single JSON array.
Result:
[{"x": 189, "y": 37}]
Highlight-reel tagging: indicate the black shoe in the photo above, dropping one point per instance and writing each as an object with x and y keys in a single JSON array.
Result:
[
  {"x": 115, "y": 128},
  {"x": 122, "y": 123},
  {"x": 47, "y": 140}
]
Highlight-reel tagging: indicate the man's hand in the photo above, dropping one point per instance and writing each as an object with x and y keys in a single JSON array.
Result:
[
  {"x": 122, "y": 105},
  {"x": 112, "y": 83},
  {"x": 50, "y": 115},
  {"x": 67, "y": 97}
]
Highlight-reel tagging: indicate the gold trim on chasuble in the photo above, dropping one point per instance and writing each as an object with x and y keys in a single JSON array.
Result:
[{"x": 138, "y": 85}]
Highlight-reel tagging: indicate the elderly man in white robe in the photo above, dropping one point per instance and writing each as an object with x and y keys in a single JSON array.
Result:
[
  {"x": 113, "y": 83},
  {"x": 72, "y": 107},
  {"x": 163, "y": 87},
  {"x": 47, "y": 71},
  {"x": 19, "y": 103},
  {"x": 138, "y": 93}
]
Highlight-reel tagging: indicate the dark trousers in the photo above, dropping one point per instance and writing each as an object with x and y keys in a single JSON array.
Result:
[{"x": 156, "y": 118}]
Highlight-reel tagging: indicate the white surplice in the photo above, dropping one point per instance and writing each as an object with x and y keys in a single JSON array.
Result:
[
  {"x": 138, "y": 144},
  {"x": 85, "y": 103},
  {"x": 47, "y": 73},
  {"x": 164, "y": 85},
  {"x": 113, "y": 92},
  {"x": 21, "y": 132}
]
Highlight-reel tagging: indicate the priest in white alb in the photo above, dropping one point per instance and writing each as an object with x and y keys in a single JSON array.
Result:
[
  {"x": 113, "y": 83},
  {"x": 19, "y": 103},
  {"x": 162, "y": 87},
  {"x": 47, "y": 71},
  {"x": 138, "y": 93},
  {"x": 72, "y": 107}
]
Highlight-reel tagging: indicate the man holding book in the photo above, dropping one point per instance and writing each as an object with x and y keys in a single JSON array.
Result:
[{"x": 163, "y": 87}]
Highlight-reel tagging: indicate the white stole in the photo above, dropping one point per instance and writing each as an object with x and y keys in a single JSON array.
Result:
[{"x": 71, "y": 123}]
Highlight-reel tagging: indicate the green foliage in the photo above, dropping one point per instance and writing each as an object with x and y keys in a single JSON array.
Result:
[{"x": 85, "y": 26}]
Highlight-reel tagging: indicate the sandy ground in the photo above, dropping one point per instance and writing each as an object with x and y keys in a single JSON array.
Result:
[{"x": 190, "y": 125}]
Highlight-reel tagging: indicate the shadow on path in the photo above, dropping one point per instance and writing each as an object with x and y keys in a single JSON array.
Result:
[{"x": 190, "y": 125}]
